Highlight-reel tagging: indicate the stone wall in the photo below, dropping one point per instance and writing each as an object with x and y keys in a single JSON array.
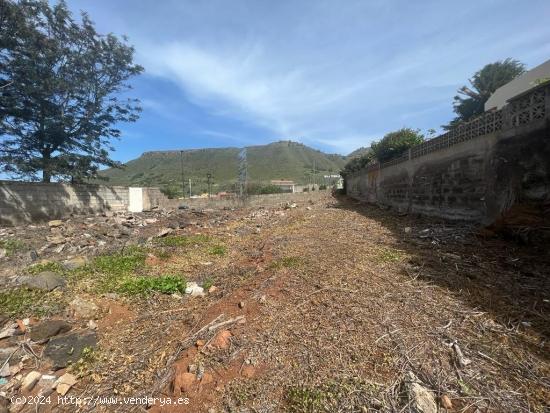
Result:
[
  {"x": 478, "y": 174},
  {"x": 24, "y": 202}
]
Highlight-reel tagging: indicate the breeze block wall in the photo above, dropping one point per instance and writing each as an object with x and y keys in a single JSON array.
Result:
[
  {"x": 25, "y": 202},
  {"x": 478, "y": 172}
]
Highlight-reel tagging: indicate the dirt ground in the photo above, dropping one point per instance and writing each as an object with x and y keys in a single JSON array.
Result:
[{"x": 326, "y": 306}]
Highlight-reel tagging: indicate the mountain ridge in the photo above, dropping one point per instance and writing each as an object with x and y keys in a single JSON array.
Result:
[{"x": 276, "y": 160}]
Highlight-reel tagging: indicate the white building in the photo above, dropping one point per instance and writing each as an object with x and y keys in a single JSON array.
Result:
[
  {"x": 520, "y": 84},
  {"x": 286, "y": 186}
]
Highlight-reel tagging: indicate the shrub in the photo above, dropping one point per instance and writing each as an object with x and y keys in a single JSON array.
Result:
[
  {"x": 170, "y": 191},
  {"x": 390, "y": 146},
  {"x": 396, "y": 143}
]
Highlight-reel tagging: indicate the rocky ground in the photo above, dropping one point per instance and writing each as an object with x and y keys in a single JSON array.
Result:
[{"x": 326, "y": 306}]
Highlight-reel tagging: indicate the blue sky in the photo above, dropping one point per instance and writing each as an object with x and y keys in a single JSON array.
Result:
[{"x": 332, "y": 74}]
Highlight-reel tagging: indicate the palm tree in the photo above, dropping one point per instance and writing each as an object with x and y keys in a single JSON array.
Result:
[{"x": 470, "y": 101}]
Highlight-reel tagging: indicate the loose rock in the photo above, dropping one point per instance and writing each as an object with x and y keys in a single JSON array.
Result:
[
  {"x": 64, "y": 383},
  {"x": 5, "y": 371},
  {"x": 49, "y": 328},
  {"x": 75, "y": 263},
  {"x": 194, "y": 289},
  {"x": 46, "y": 280},
  {"x": 446, "y": 402},
  {"x": 30, "y": 381},
  {"x": 9, "y": 331},
  {"x": 164, "y": 231},
  {"x": 55, "y": 223},
  {"x": 222, "y": 340},
  {"x": 82, "y": 308},
  {"x": 421, "y": 399},
  {"x": 65, "y": 349}
]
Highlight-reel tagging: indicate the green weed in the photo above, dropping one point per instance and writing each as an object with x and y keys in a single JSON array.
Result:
[
  {"x": 301, "y": 399},
  {"x": 206, "y": 284},
  {"x": 388, "y": 255},
  {"x": 85, "y": 363},
  {"x": 22, "y": 302},
  {"x": 120, "y": 263},
  {"x": 12, "y": 246},
  {"x": 167, "y": 284},
  {"x": 182, "y": 240},
  {"x": 351, "y": 394},
  {"x": 47, "y": 266},
  {"x": 219, "y": 250},
  {"x": 161, "y": 254}
]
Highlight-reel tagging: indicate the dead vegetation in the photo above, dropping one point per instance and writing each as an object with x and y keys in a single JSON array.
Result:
[{"x": 325, "y": 307}]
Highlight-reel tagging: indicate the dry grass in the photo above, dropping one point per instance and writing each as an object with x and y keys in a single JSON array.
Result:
[{"x": 341, "y": 303}]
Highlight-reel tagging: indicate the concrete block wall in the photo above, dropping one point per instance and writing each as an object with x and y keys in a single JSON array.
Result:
[
  {"x": 25, "y": 202},
  {"x": 28, "y": 202},
  {"x": 252, "y": 201},
  {"x": 479, "y": 179}
]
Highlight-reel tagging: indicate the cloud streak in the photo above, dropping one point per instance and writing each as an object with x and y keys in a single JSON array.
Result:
[{"x": 332, "y": 74}]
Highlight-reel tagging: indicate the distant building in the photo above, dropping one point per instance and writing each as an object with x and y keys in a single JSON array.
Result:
[
  {"x": 286, "y": 186},
  {"x": 520, "y": 84}
]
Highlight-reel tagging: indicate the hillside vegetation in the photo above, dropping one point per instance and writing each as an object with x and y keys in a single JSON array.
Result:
[{"x": 278, "y": 160}]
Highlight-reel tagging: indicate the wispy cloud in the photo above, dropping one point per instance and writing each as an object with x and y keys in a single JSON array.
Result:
[{"x": 331, "y": 74}]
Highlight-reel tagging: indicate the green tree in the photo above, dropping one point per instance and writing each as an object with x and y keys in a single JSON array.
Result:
[
  {"x": 60, "y": 91},
  {"x": 396, "y": 143},
  {"x": 470, "y": 100}
]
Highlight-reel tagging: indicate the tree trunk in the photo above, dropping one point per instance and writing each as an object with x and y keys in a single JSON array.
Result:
[
  {"x": 46, "y": 165},
  {"x": 46, "y": 176}
]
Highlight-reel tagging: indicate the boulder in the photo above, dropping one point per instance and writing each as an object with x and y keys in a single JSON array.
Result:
[
  {"x": 68, "y": 348},
  {"x": 49, "y": 328},
  {"x": 46, "y": 280},
  {"x": 81, "y": 308}
]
